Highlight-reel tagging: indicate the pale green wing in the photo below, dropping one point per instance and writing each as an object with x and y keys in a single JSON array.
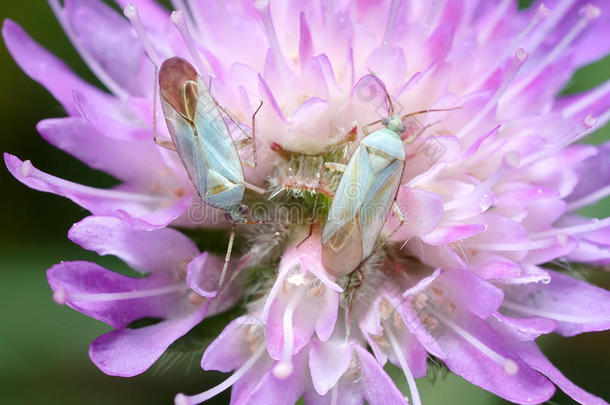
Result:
[{"x": 377, "y": 204}]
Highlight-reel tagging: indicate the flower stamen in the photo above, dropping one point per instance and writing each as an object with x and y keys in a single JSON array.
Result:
[
  {"x": 284, "y": 367},
  {"x": 274, "y": 44},
  {"x": 510, "y": 367},
  {"x": 541, "y": 13},
  {"x": 481, "y": 195},
  {"x": 178, "y": 20},
  {"x": 391, "y": 21},
  {"x": 403, "y": 365},
  {"x": 588, "y": 14},
  {"x": 593, "y": 225},
  {"x": 588, "y": 100},
  {"x": 61, "y": 296},
  {"x": 182, "y": 399},
  {"x": 131, "y": 12},
  {"x": 517, "y": 62}
]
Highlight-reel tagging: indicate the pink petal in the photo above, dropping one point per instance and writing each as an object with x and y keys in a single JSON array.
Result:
[
  {"x": 129, "y": 352},
  {"x": 447, "y": 234},
  {"x": 328, "y": 361},
  {"x": 109, "y": 39},
  {"x": 526, "y": 386},
  {"x": 71, "y": 279},
  {"x": 140, "y": 209},
  {"x": 114, "y": 156},
  {"x": 46, "y": 69},
  {"x": 228, "y": 351},
  {"x": 422, "y": 211},
  {"x": 575, "y": 305},
  {"x": 378, "y": 388},
  {"x": 161, "y": 251}
]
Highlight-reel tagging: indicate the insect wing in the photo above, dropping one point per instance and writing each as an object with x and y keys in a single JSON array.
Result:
[
  {"x": 342, "y": 233},
  {"x": 225, "y": 182},
  {"x": 187, "y": 145},
  {"x": 377, "y": 204},
  {"x": 200, "y": 135},
  {"x": 362, "y": 201},
  {"x": 387, "y": 157}
]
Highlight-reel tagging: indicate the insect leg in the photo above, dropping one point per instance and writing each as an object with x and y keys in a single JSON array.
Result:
[
  {"x": 401, "y": 219},
  {"x": 254, "y": 188},
  {"x": 250, "y": 139},
  {"x": 166, "y": 144},
  {"x": 227, "y": 259},
  {"x": 255, "y": 162},
  {"x": 338, "y": 167}
]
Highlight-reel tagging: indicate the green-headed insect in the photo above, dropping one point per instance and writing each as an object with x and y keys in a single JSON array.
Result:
[
  {"x": 366, "y": 192},
  {"x": 204, "y": 143}
]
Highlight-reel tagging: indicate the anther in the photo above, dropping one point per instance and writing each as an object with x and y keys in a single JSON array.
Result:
[
  {"x": 282, "y": 370},
  {"x": 589, "y": 121},
  {"x": 26, "y": 168},
  {"x": 589, "y": 12},
  {"x": 543, "y": 11},
  {"x": 131, "y": 12},
  {"x": 60, "y": 296}
]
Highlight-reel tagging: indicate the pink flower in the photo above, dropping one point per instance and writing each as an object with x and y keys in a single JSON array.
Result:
[
  {"x": 179, "y": 290},
  {"x": 489, "y": 193}
]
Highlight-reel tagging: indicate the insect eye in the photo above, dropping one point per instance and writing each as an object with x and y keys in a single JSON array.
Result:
[
  {"x": 401, "y": 128},
  {"x": 243, "y": 209},
  {"x": 385, "y": 121}
]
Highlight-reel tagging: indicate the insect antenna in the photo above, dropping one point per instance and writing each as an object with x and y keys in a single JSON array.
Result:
[
  {"x": 387, "y": 95},
  {"x": 430, "y": 110}
]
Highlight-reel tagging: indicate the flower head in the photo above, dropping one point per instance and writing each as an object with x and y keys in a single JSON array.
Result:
[{"x": 464, "y": 269}]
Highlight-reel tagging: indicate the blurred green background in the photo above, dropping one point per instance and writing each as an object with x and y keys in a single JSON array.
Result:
[{"x": 43, "y": 346}]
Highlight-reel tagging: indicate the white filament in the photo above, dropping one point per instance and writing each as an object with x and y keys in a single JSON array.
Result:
[
  {"x": 131, "y": 12},
  {"x": 284, "y": 368},
  {"x": 552, "y": 56},
  {"x": 593, "y": 225},
  {"x": 403, "y": 365},
  {"x": 178, "y": 20},
  {"x": 517, "y": 62},
  {"x": 212, "y": 392},
  {"x": 127, "y": 295},
  {"x": 510, "y": 367}
]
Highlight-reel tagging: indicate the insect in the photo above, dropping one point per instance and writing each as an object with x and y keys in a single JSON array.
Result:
[
  {"x": 204, "y": 144},
  {"x": 366, "y": 192}
]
